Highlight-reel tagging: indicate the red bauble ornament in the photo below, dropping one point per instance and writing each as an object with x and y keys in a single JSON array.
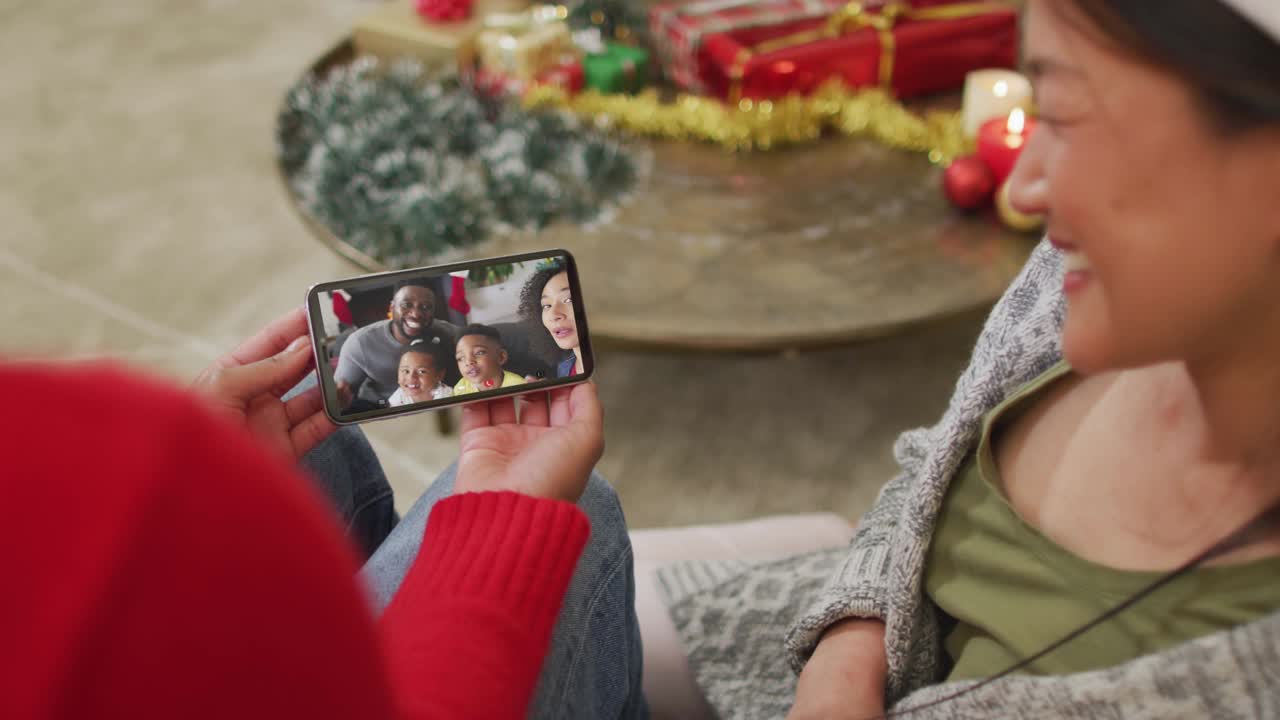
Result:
[
  {"x": 445, "y": 10},
  {"x": 968, "y": 182}
]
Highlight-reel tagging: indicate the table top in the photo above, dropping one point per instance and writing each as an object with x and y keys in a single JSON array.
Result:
[{"x": 829, "y": 243}]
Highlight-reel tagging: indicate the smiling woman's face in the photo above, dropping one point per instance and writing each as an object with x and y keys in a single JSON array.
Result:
[
  {"x": 1171, "y": 230},
  {"x": 557, "y": 312}
]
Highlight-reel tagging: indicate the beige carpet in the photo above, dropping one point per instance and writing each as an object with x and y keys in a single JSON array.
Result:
[{"x": 141, "y": 219}]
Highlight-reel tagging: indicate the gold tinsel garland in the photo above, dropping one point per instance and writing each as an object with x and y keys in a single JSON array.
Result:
[{"x": 768, "y": 124}]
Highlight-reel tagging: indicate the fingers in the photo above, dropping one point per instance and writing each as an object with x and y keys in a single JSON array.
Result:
[
  {"x": 503, "y": 411},
  {"x": 588, "y": 417},
  {"x": 577, "y": 410},
  {"x": 275, "y": 337},
  {"x": 276, "y": 375},
  {"x": 474, "y": 416},
  {"x": 306, "y": 404},
  {"x": 534, "y": 410},
  {"x": 584, "y": 405},
  {"x": 560, "y": 413},
  {"x": 308, "y": 433}
]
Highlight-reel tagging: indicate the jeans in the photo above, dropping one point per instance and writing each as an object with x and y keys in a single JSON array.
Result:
[
  {"x": 356, "y": 487},
  {"x": 348, "y": 473},
  {"x": 593, "y": 666}
]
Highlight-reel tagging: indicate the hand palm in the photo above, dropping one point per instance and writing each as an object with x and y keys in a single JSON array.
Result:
[
  {"x": 545, "y": 454},
  {"x": 265, "y": 415},
  {"x": 501, "y": 455}
]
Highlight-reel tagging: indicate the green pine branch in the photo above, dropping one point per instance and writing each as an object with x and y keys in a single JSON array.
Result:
[{"x": 406, "y": 167}]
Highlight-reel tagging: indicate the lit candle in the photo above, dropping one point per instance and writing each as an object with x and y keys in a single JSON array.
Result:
[
  {"x": 1000, "y": 142},
  {"x": 992, "y": 93}
]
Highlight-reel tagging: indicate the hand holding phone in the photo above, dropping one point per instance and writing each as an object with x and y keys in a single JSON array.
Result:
[
  {"x": 395, "y": 343},
  {"x": 249, "y": 382},
  {"x": 547, "y": 450}
]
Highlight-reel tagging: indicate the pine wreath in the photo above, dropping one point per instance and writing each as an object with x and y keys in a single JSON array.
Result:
[{"x": 407, "y": 168}]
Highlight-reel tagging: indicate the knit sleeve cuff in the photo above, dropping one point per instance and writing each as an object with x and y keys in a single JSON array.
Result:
[{"x": 504, "y": 547}]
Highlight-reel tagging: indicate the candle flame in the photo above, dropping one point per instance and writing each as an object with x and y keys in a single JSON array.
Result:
[{"x": 1017, "y": 121}]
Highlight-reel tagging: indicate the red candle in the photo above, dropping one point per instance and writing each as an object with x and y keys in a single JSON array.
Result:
[{"x": 1000, "y": 142}]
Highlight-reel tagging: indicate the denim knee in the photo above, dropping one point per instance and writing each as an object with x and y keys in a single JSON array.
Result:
[
  {"x": 603, "y": 508},
  {"x": 347, "y": 470},
  {"x": 593, "y": 667}
]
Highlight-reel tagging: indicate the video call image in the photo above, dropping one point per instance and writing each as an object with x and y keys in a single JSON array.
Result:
[{"x": 437, "y": 336}]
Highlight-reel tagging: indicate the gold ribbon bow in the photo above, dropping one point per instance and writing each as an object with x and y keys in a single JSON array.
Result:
[{"x": 852, "y": 18}]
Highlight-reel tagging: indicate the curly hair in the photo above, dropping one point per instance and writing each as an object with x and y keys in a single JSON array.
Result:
[{"x": 540, "y": 341}]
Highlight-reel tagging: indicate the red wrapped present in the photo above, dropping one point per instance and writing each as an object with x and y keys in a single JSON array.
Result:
[
  {"x": 568, "y": 76},
  {"x": 678, "y": 27},
  {"x": 911, "y": 49}
]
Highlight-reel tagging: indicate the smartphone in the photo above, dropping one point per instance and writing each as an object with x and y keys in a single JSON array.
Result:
[{"x": 402, "y": 342}]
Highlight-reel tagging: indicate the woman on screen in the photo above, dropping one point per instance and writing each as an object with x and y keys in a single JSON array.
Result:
[{"x": 547, "y": 298}]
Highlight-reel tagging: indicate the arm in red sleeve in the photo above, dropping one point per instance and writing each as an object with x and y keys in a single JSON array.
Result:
[
  {"x": 467, "y": 632},
  {"x": 159, "y": 563}
]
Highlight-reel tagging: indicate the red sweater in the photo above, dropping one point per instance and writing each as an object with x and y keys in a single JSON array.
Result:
[{"x": 157, "y": 561}]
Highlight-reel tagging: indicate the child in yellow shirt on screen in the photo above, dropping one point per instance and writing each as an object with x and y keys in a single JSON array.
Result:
[{"x": 481, "y": 358}]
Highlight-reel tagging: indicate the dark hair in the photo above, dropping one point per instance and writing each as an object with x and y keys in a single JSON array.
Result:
[
  {"x": 1229, "y": 61},
  {"x": 531, "y": 310},
  {"x": 478, "y": 329},
  {"x": 414, "y": 283},
  {"x": 441, "y": 356}
]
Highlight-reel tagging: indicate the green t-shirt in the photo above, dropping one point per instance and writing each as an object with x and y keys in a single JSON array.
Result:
[{"x": 1012, "y": 591}]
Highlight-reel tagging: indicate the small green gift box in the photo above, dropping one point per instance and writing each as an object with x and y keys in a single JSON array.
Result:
[{"x": 619, "y": 69}]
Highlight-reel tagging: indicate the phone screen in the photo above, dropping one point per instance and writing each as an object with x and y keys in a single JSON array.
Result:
[{"x": 412, "y": 340}]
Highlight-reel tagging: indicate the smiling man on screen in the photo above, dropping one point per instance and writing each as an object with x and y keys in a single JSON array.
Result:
[{"x": 369, "y": 361}]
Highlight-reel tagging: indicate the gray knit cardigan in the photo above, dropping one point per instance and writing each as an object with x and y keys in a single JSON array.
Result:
[{"x": 748, "y": 629}]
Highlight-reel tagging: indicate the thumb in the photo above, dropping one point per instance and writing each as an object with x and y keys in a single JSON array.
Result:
[
  {"x": 275, "y": 374},
  {"x": 588, "y": 418},
  {"x": 584, "y": 405}
]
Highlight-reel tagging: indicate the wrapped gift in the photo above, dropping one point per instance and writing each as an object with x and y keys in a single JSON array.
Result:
[
  {"x": 395, "y": 30},
  {"x": 619, "y": 69},
  {"x": 678, "y": 27},
  {"x": 907, "y": 50},
  {"x": 568, "y": 76},
  {"x": 524, "y": 45},
  {"x": 910, "y": 49}
]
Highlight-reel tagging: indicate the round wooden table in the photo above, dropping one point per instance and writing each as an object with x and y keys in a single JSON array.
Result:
[{"x": 834, "y": 242}]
